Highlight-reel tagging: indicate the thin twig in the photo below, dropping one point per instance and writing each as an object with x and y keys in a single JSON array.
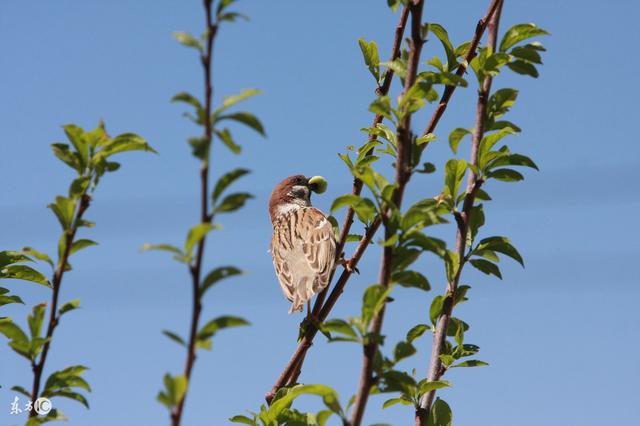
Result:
[
  {"x": 474, "y": 182},
  {"x": 462, "y": 67},
  {"x": 205, "y": 216},
  {"x": 403, "y": 172},
  {"x": 56, "y": 282}
]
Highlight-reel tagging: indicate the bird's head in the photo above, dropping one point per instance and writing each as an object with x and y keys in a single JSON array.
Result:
[{"x": 293, "y": 192}]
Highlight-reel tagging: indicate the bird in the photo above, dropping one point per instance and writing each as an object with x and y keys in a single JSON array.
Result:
[{"x": 303, "y": 244}]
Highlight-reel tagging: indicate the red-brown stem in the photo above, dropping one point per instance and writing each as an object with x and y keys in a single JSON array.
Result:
[
  {"x": 436, "y": 369},
  {"x": 403, "y": 172},
  {"x": 205, "y": 217},
  {"x": 381, "y": 90},
  {"x": 56, "y": 282}
]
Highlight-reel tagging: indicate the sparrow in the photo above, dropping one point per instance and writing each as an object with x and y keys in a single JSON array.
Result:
[{"x": 303, "y": 245}]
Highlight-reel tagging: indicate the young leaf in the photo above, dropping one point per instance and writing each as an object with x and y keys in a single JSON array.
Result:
[
  {"x": 81, "y": 244},
  {"x": 217, "y": 275},
  {"x": 371, "y": 57},
  {"x": 456, "y": 136},
  {"x": 24, "y": 272},
  {"x": 245, "y": 118},
  {"x": 227, "y": 140},
  {"x": 226, "y": 180},
  {"x": 518, "y": 33},
  {"x": 196, "y": 234},
  {"x": 232, "y": 202},
  {"x": 188, "y": 40},
  {"x": 487, "y": 267}
]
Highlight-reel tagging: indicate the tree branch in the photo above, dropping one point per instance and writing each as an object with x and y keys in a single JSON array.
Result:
[
  {"x": 54, "y": 318},
  {"x": 403, "y": 172},
  {"x": 436, "y": 369},
  {"x": 205, "y": 216}
]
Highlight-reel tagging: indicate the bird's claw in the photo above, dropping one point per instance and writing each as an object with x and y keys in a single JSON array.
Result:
[{"x": 348, "y": 265}]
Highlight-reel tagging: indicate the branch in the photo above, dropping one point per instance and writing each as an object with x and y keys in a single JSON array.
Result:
[
  {"x": 471, "y": 53},
  {"x": 403, "y": 172},
  {"x": 294, "y": 367},
  {"x": 38, "y": 367},
  {"x": 436, "y": 369},
  {"x": 205, "y": 216}
]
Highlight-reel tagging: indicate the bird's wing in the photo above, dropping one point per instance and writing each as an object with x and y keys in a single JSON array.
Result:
[
  {"x": 319, "y": 246},
  {"x": 303, "y": 249}
]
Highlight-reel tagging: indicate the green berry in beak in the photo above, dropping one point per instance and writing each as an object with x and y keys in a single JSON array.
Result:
[{"x": 318, "y": 184}]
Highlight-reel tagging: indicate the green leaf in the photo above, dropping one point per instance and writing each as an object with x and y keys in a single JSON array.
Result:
[
  {"x": 175, "y": 337},
  {"x": 6, "y": 299},
  {"x": 380, "y": 106},
  {"x": 524, "y": 68},
  {"x": 487, "y": 267},
  {"x": 470, "y": 363},
  {"x": 21, "y": 390},
  {"x": 76, "y": 136},
  {"x": 417, "y": 331},
  {"x": 329, "y": 397},
  {"x": 30, "y": 251},
  {"x": 518, "y": 33},
  {"x": 426, "y": 386},
  {"x": 242, "y": 419},
  {"x": 454, "y": 172},
  {"x": 512, "y": 160},
  {"x": 24, "y": 272},
  {"x": 175, "y": 388},
  {"x": 200, "y": 147},
  {"x": 188, "y": 99},
  {"x": 373, "y": 301},
  {"x": 440, "y": 414},
  {"x": 439, "y": 31},
  {"x": 245, "y": 118},
  {"x": 403, "y": 350},
  {"x": 188, "y": 40},
  {"x": 35, "y": 320},
  {"x": 123, "y": 143},
  {"x": 411, "y": 279},
  {"x": 232, "y": 202},
  {"x": 64, "y": 209},
  {"x": 8, "y": 257},
  {"x": 363, "y": 207},
  {"x": 196, "y": 234},
  {"x": 393, "y": 401},
  {"x": 69, "y": 306},
  {"x": 19, "y": 341},
  {"x": 81, "y": 244},
  {"x": 339, "y": 326},
  {"x": 79, "y": 186},
  {"x": 456, "y": 136},
  {"x": 229, "y": 101},
  {"x": 217, "y": 275},
  {"x": 506, "y": 175},
  {"x": 501, "y": 245},
  {"x": 227, "y": 140},
  {"x": 64, "y": 154},
  {"x": 436, "y": 308},
  {"x": 212, "y": 327},
  {"x": 179, "y": 255},
  {"x": 226, "y": 180},
  {"x": 371, "y": 57}
]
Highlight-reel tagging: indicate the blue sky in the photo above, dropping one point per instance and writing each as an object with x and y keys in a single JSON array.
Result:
[{"x": 559, "y": 335}]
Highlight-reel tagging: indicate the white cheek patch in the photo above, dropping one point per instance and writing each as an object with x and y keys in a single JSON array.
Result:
[{"x": 287, "y": 207}]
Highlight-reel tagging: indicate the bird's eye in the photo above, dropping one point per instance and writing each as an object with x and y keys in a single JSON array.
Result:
[{"x": 299, "y": 191}]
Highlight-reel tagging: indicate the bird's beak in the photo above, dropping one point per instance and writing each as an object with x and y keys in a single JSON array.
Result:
[{"x": 318, "y": 184}]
